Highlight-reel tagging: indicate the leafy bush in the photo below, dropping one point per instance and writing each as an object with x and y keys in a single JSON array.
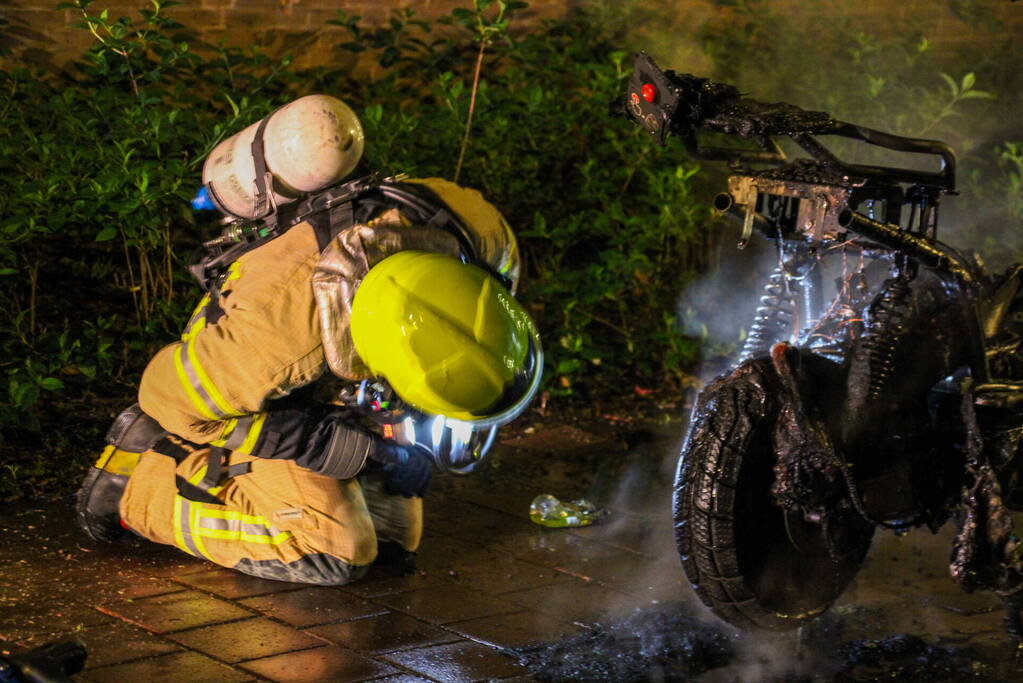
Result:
[
  {"x": 97, "y": 170},
  {"x": 95, "y": 173}
]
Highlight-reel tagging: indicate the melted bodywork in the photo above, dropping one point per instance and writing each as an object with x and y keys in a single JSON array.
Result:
[{"x": 892, "y": 399}]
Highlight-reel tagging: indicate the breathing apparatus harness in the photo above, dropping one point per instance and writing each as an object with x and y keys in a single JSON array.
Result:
[{"x": 331, "y": 211}]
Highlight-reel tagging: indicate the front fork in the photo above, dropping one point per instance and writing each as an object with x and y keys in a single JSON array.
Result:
[{"x": 791, "y": 300}]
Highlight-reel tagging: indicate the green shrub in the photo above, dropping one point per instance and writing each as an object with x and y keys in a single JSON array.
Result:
[
  {"x": 97, "y": 171},
  {"x": 97, "y": 167}
]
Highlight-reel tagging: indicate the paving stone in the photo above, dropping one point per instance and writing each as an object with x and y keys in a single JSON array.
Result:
[
  {"x": 176, "y": 611},
  {"x": 515, "y": 630},
  {"x": 327, "y": 663},
  {"x": 34, "y": 623},
  {"x": 172, "y": 564},
  {"x": 506, "y": 573},
  {"x": 465, "y": 661},
  {"x": 33, "y": 524},
  {"x": 184, "y": 666},
  {"x": 449, "y": 552},
  {"x": 443, "y": 604},
  {"x": 386, "y": 633},
  {"x": 630, "y": 532},
  {"x": 553, "y": 548},
  {"x": 228, "y": 583},
  {"x": 575, "y": 602},
  {"x": 250, "y": 639},
  {"x": 146, "y": 586},
  {"x": 119, "y": 642},
  {"x": 511, "y": 499},
  {"x": 484, "y": 523},
  {"x": 442, "y": 512},
  {"x": 377, "y": 583},
  {"x": 314, "y": 605},
  {"x": 630, "y": 573}
]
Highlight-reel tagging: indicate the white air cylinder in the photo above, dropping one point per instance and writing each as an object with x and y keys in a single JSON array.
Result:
[{"x": 308, "y": 144}]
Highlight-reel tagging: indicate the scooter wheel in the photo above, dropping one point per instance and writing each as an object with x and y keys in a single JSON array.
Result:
[{"x": 737, "y": 548}]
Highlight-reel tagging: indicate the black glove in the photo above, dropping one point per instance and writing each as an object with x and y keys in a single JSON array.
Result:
[
  {"x": 317, "y": 438},
  {"x": 327, "y": 441},
  {"x": 407, "y": 470}
]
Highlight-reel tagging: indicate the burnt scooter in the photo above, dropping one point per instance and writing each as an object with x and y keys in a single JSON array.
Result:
[{"x": 890, "y": 399}]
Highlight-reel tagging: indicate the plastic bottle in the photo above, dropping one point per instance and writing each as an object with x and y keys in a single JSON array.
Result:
[{"x": 546, "y": 510}]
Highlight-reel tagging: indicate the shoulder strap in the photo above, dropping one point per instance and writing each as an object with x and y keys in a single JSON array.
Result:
[{"x": 332, "y": 210}]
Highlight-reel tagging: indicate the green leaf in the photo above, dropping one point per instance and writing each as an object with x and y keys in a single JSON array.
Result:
[
  {"x": 234, "y": 107},
  {"x": 24, "y": 395},
  {"x": 8, "y": 271},
  {"x": 51, "y": 384},
  {"x": 106, "y": 234},
  {"x": 952, "y": 85},
  {"x": 977, "y": 94},
  {"x": 968, "y": 81}
]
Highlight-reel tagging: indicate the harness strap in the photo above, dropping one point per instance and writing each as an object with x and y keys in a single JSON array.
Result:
[
  {"x": 328, "y": 224},
  {"x": 216, "y": 471},
  {"x": 263, "y": 203},
  {"x": 214, "y": 468},
  {"x": 191, "y": 492}
]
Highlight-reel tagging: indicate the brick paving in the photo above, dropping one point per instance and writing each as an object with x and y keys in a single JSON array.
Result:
[{"x": 488, "y": 580}]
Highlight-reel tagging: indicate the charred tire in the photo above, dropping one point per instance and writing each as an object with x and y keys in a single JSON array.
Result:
[{"x": 735, "y": 544}]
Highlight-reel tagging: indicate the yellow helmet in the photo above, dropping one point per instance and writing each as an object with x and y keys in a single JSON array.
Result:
[{"x": 448, "y": 338}]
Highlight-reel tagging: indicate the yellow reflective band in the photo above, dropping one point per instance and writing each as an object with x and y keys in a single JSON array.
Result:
[
  {"x": 198, "y": 327},
  {"x": 198, "y": 320},
  {"x": 197, "y": 477},
  {"x": 250, "y": 441},
  {"x": 206, "y": 383},
  {"x": 104, "y": 457},
  {"x": 179, "y": 538},
  {"x": 229, "y": 425},
  {"x": 239, "y": 535},
  {"x": 186, "y": 384},
  {"x": 232, "y": 530},
  {"x": 211, "y": 513},
  {"x": 196, "y": 530},
  {"x": 116, "y": 461},
  {"x": 233, "y": 271}
]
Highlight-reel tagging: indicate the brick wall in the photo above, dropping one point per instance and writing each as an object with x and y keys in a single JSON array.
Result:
[{"x": 38, "y": 34}]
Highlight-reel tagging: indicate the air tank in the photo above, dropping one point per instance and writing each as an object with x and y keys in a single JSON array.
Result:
[{"x": 308, "y": 144}]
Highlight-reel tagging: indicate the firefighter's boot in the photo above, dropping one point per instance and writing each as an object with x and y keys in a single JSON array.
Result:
[{"x": 99, "y": 497}]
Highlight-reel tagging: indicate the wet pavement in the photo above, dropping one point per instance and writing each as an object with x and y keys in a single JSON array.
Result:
[{"x": 491, "y": 593}]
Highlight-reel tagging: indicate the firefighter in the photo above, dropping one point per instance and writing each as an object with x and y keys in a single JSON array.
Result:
[{"x": 231, "y": 454}]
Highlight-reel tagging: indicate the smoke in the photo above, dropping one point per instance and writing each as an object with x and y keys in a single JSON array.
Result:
[
  {"x": 718, "y": 307},
  {"x": 880, "y": 65}
]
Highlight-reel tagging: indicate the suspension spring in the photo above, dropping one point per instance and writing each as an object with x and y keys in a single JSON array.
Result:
[
  {"x": 773, "y": 319},
  {"x": 889, "y": 314}
]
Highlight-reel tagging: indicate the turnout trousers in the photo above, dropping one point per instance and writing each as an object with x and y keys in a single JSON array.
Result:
[{"x": 276, "y": 521}]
